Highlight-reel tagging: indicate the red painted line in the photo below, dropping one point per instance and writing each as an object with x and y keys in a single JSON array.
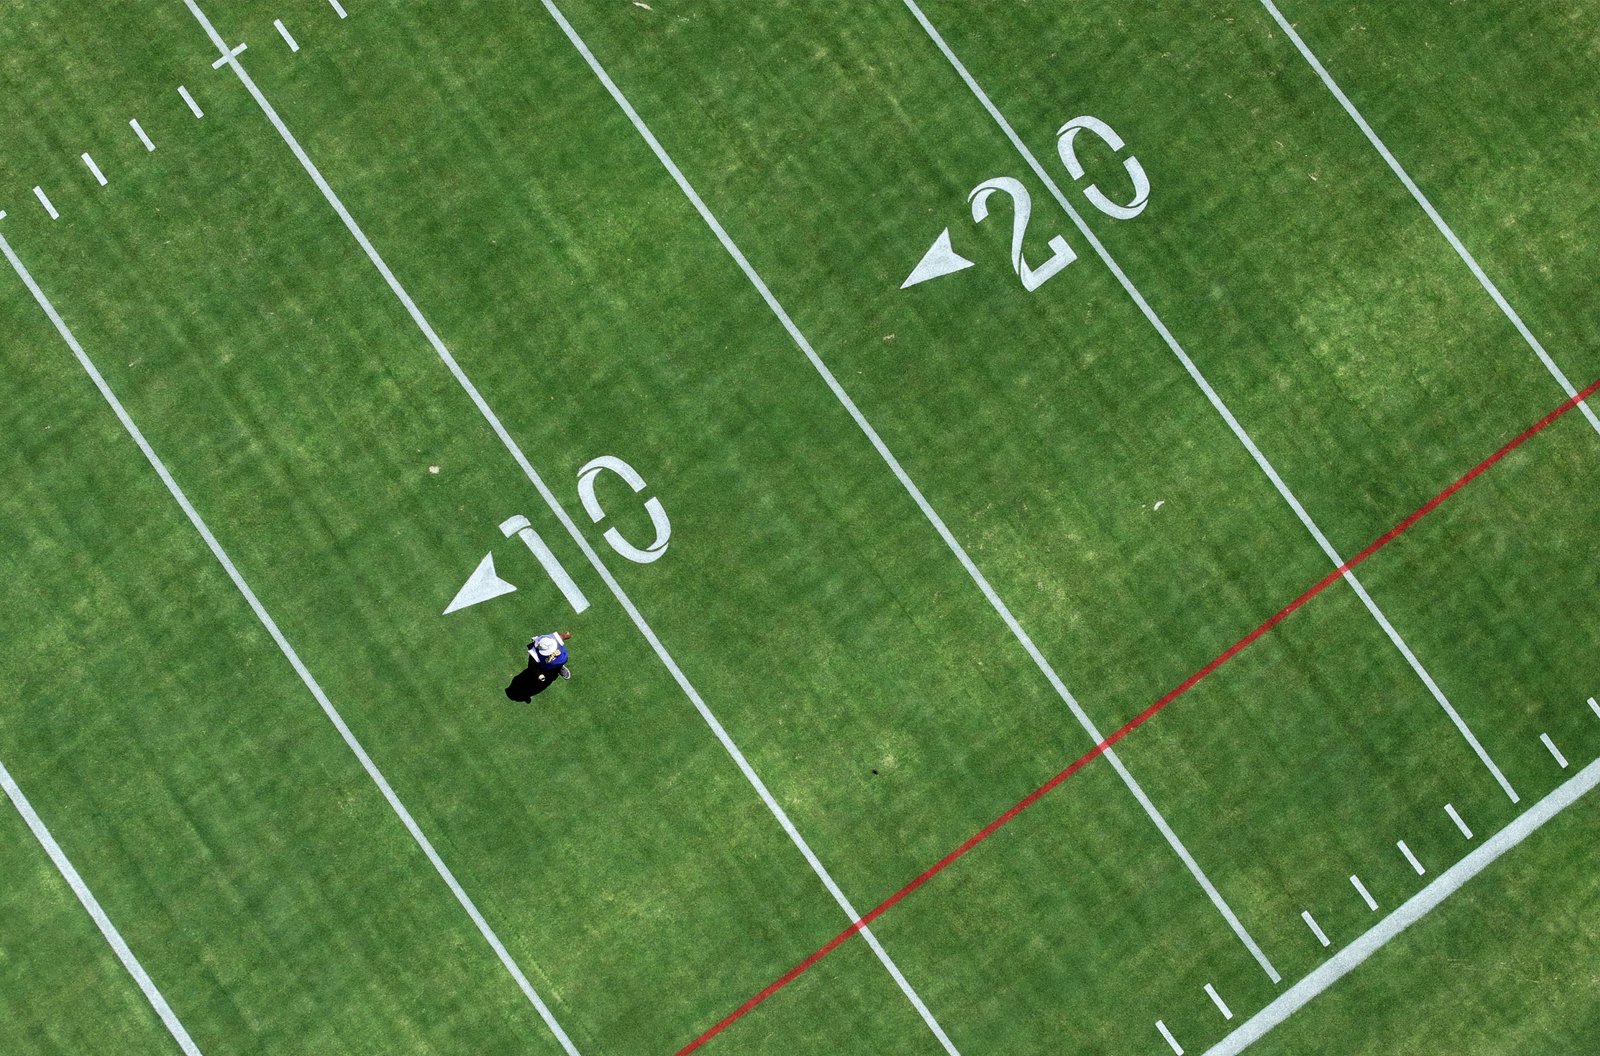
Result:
[{"x": 1139, "y": 720}]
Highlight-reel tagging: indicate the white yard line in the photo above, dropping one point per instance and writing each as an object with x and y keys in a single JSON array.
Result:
[
  {"x": 1216, "y": 999},
  {"x": 1413, "y": 909},
  {"x": 1171, "y": 1041},
  {"x": 572, "y": 529},
  {"x": 1411, "y": 858},
  {"x": 92, "y": 904},
  {"x": 284, "y": 33},
  {"x": 1594, "y": 705},
  {"x": 337, "y": 9},
  {"x": 1450, "y": 810},
  {"x": 194, "y": 107},
  {"x": 94, "y": 169},
  {"x": 1316, "y": 930},
  {"x": 1554, "y": 751},
  {"x": 38, "y": 192},
  {"x": 915, "y": 492},
  {"x": 1433, "y": 214},
  {"x": 1216, "y": 401},
  {"x": 138, "y": 131},
  {"x": 288, "y": 650},
  {"x": 1361, "y": 889}
]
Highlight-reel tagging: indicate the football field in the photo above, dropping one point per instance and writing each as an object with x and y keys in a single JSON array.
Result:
[{"x": 1080, "y": 525}]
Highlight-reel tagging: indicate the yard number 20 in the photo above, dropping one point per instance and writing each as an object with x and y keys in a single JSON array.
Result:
[{"x": 1062, "y": 254}]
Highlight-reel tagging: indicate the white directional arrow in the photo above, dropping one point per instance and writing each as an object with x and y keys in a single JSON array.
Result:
[
  {"x": 939, "y": 260},
  {"x": 481, "y": 586}
]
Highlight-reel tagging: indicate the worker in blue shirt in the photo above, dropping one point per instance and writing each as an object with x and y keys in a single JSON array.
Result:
[{"x": 547, "y": 660}]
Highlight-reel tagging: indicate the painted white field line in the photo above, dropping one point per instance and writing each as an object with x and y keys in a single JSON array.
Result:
[
  {"x": 238, "y": 50},
  {"x": 194, "y": 107},
  {"x": 284, "y": 33},
  {"x": 1433, "y": 214},
  {"x": 1413, "y": 909},
  {"x": 1451, "y": 810},
  {"x": 1361, "y": 889},
  {"x": 1172, "y": 1041},
  {"x": 1215, "y": 400},
  {"x": 911, "y": 488},
  {"x": 1411, "y": 857},
  {"x": 572, "y": 529},
  {"x": 38, "y": 192},
  {"x": 94, "y": 169},
  {"x": 138, "y": 131},
  {"x": 1311, "y": 923},
  {"x": 92, "y": 904},
  {"x": 288, "y": 650},
  {"x": 1216, "y": 999},
  {"x": 1594, "y": 705},
  {"x": 337, "y": 9},
  {"x": 1554, "y": 751}
]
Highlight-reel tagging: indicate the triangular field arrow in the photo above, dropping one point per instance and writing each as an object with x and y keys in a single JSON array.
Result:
[
  {"x": 482, "y": 585},
  {"x": 940, "y": 259}
]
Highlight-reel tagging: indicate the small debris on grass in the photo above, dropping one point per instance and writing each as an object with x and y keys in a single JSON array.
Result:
[
  {"x": 1157, "y": 506},
  {"x": 888, "y": 339},
  {"x": 641, "y": 3},
  {"x": 433, "y": 469}
]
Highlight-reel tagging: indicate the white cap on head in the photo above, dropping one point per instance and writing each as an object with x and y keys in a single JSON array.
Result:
[{"x": 548, "y": 645}]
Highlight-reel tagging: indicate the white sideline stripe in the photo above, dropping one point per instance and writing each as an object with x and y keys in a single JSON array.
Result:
[
  {"x": 571, "y": 527},
  {"x": 288, "y": 650},
  {"x": 90, "y": 903},
  {"x": 1172, "y": 1041},
  {"x": 337, "y": 9},
  {"x": 1409, "y": 912},
  {"x": 1222, "y": 1006},
  {"x": 1216, "y": 402},
  {"x": 93, "y": 168},
  {"x": 1311, "y": 923},
  {"x": 194, "y": 107},
  {"x": 1594, "y": 705},
  {"x": 911, "y": 489},
  {"x": 1366, "y": 896},
  {"x": 284, "y": 33},
  {"x": 1450, "y": 810},
  {"x": 134, "y": 124},
  {"x": 38, "y": 192},
  {"x": 1433, "y": 214},
  {"x": 1548, "y": 743},
  {"x": 1411, "y": 857}
]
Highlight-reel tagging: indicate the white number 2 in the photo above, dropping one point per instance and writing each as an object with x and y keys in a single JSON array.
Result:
[{"x": 1022, "y": 205}]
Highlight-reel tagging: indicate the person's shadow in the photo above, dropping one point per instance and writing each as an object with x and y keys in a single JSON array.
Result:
[{"x": 530, "y": 683}]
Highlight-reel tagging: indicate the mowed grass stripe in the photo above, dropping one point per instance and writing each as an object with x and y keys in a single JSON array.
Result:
[
  {"x": 560, "y": 514},
  {"x": 1216, "y": 401},
  {"x": 922, "y": 503}
]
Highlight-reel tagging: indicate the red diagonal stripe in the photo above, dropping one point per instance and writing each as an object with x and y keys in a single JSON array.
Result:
[{"x": 1140, "y": 719}]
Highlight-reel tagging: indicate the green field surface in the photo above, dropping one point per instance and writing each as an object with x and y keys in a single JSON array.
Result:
[{"x": 928, "y": 545}]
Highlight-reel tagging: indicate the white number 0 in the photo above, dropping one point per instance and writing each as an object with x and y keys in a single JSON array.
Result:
[
  {"x": 1022, "y": 204},
  {"x": 591, "y": 504}
]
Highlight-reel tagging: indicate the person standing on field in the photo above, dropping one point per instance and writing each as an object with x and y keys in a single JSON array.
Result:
[{"x": 547, "y": 661}]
